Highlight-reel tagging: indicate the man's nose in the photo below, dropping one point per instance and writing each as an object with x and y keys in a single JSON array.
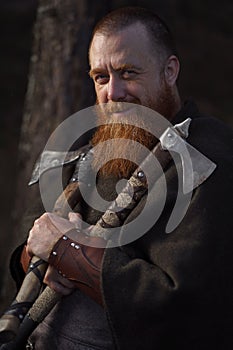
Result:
[{"x": 116, "y": 89}]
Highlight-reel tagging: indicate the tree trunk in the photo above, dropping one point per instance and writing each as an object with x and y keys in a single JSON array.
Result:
[{"x": 58, "y": 86}]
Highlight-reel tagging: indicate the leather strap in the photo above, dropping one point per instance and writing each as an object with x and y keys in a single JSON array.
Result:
[{"x": 80, "y": 263}]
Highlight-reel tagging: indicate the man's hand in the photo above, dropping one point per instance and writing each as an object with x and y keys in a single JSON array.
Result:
[
  {"x": 57, "y": 282},
  {"x": 47, "y": 230},
  {"x": 44, "y": 234}
]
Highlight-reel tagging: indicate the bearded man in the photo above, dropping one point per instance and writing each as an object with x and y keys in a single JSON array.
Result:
[{"x": 159, "y": 291}]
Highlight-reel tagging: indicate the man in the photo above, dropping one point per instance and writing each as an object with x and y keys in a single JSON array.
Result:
[{"x": 159, "y": 291}]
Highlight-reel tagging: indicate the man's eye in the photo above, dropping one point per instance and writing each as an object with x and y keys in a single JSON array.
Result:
[
  {"x": 129, "y": 73},
  {"x": 101, "y": 79}
]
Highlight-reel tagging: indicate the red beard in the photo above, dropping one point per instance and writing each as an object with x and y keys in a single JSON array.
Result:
[
  {"x": 119, "y": 166},
  {"x": 165, "y": 105}
]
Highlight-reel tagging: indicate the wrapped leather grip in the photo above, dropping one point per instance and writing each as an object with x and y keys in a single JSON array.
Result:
[{"x": 43, "y": 305}]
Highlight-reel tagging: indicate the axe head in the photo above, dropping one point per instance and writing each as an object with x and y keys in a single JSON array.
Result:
[{"x": 196, "y": 167}]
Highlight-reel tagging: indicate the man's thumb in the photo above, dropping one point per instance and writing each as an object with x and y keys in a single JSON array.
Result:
[{"x": 76, "y": 219}]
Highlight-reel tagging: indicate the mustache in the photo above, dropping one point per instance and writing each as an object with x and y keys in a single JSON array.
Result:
[{"x": 113, "y": 107}]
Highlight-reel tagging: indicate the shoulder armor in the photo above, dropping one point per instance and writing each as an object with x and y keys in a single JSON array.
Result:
[{"x": 53, "y": 159}]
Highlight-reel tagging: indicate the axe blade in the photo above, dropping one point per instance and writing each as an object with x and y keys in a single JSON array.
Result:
[
  {"x": 195, "y": 170},
  {"x": 196, "y": 167}
]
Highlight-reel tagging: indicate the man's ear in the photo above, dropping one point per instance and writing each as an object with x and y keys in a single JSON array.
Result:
[{"x": 171, "y": 70}]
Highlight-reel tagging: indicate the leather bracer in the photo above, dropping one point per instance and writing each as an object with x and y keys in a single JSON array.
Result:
[
  {"x": 25, "y": 259},
  {"x": 80, "y": 263}
]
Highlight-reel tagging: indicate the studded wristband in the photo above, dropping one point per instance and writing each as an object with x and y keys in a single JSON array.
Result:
[{"x": 79, "y": 263}]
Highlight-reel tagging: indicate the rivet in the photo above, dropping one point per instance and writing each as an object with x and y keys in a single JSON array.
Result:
[
  {"x": 72, "y": 244},
  {"x": 65, "y": 238},
  {"x": 77, "y": 246},
  {"x": 54, "y": 253},
  {"x": 74, "y": 179},
  {"x": 55, "y": 162},
  {"x": 140, "y": 174}
]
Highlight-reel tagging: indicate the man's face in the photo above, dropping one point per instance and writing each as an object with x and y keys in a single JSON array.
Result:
[{"x": 124, "y": 69}]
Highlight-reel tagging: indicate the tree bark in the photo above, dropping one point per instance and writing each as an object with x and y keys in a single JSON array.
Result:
[{"x": 58, "y": 86}]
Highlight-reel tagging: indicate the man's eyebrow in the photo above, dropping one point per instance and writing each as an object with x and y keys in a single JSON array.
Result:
[
  {"x": 94, "y": 71},
  {"x": 127, "y": 66},
  {"x": 122, "y": 67}
]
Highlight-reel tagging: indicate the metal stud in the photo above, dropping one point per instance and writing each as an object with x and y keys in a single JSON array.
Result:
[
  {"x": 54, "y": 253},
  {"x": 83, "y": 156},
  {"x": 65, "y": 238},
  {"x": 29, "y": 345},
  {"x": 140, "y": 174},
  {"x": 77, "y": 246},
  {"x": 73, "y": 179},
  {"x": 55, "y": 162}
]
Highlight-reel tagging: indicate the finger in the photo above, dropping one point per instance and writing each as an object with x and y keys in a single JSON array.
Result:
[
  {"x": 53, "y": 275},
  {"x": 58, "y": 223},
  {"x": 65, "y": 282},
  {"x": 36, "y": 222},
  {"x": 76, "y": 219},
  {"x": 41, "y": 219},
  {"x": 59, "y": 288},
  {"x": 57, "y": 282}
]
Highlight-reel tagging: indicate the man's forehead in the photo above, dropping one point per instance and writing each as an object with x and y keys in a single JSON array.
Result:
[
  {"x": 127, "y": 41},
  {"x": 129, "y": 33}
]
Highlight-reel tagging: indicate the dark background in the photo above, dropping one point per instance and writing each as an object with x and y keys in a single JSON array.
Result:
[{"x": 203, "y": 31}]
